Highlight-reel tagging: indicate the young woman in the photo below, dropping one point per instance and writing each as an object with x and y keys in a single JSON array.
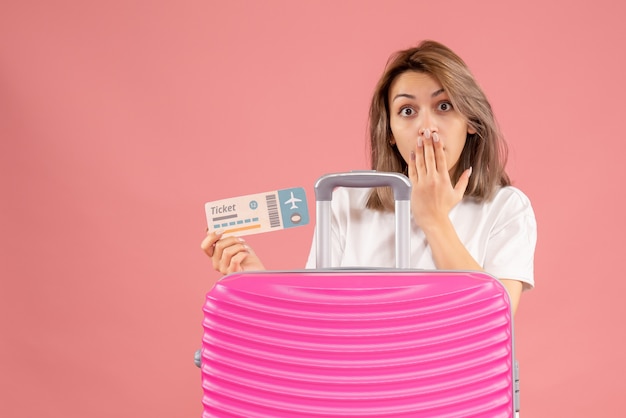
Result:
[{"x": 430, "y": 120}]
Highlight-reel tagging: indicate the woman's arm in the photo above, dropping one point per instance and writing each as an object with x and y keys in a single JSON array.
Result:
[
  {"x": 433, "y": 197},
  {"x": 449, "y": 253}
]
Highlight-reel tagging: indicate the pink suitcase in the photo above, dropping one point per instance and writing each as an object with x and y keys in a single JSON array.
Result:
[{"x": 358, "y": 343}]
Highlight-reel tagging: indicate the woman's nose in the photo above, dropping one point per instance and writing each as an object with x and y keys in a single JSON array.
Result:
[{"x": 427, "y": 125}]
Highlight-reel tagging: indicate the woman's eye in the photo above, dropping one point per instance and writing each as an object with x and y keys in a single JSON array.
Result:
[
  {"x": 407, "y": 111},
  {"x": 445, "y": 106}
]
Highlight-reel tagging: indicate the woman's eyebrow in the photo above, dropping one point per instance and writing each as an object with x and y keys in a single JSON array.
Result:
[
  {"x": 410, "y": 96},
  {"x": 437, "y": 93}
]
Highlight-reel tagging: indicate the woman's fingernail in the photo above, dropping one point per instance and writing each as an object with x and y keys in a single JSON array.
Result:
[
  {"x": 412, "y": 155},
  {"x": 218, "y": 231},
  {"x": 470, "y": 172},
  {"x": 435, "y": 137},
  {"x": 420, "y": 141},
  {"x": 427, "y": 133}
]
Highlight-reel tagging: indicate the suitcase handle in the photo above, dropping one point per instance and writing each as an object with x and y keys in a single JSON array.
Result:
[{"x": 371, "y": 178}]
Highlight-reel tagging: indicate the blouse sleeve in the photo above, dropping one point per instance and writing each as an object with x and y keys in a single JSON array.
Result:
[{"x": 511, "y": 248}]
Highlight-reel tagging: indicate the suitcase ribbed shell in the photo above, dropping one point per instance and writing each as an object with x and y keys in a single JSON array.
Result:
[{"x": 366, "y": 343}]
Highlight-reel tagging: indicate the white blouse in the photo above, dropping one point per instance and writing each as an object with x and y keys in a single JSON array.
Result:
[{"x": 500, "y": 234}]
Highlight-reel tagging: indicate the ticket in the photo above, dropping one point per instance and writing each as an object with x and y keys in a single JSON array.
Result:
[{"x": 257, "y": 213}]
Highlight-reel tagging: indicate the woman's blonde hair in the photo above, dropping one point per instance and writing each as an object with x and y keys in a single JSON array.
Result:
[{"x": 485, "y": 151}]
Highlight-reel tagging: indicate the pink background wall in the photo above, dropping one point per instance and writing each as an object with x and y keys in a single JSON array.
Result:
[{"x": 119, "y": 119}]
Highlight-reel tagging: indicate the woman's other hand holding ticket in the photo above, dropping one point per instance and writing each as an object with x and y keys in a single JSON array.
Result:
[{"x": 230, "y": 254}]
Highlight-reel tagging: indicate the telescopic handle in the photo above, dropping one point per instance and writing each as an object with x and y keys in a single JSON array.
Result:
[{"x": 402, "y": 195}]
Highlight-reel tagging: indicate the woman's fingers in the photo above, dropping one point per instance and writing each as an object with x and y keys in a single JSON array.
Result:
[
  {"x": 235, "y": 263},
  {"x": 461, "y": 184},
  {"x": 225, "y": 250},
  {"x": 429, "y": 155},
  {"x": 412, "y": 170},
  {"x": 420, "y": 165},
  {"x": 230, "y": 254},
  {"x": 439, "y": 154},
  {"x": 208, "y": 243}
]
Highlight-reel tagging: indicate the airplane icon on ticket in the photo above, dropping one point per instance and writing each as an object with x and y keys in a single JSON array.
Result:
[{"x": 292, "y": 201}]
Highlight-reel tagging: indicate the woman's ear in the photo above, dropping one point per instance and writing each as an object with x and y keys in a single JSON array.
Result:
[
  {"x": 392, "y": 141},
  {"x": 470, "y": 129}
]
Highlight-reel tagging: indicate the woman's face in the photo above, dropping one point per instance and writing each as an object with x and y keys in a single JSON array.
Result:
[{"x": 418, "y": 102}]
